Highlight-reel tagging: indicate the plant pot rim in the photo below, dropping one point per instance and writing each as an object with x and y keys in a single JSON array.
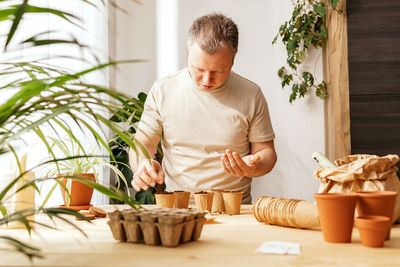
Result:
[
  {"x": 202, "y": 193},
  {"x": 232, "y": 192},
  {"x": 335, "y": 195},
  {"x": 218, "y": 190},
  {"x": 164, "y": 193},
  {"x": 375, "y": 194},
  {"x": 372, "y": 222}
]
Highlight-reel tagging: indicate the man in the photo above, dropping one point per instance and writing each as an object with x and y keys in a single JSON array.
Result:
[{"x": 215, "y": 124}]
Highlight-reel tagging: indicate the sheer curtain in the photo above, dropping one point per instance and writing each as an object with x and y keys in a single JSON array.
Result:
[{"x": 93, "y": 34}]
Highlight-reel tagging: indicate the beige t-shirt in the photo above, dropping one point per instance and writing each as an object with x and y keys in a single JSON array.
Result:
[{"x": 198, "y": 126}]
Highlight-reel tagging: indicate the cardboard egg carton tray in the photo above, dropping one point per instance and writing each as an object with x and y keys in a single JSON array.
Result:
[{"x": 166, "y": 227}]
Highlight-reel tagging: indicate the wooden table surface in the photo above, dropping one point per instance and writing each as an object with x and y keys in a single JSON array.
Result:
[{"x": 229, "y": 241}]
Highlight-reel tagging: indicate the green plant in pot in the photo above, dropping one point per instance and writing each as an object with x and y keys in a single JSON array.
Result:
[
  {"x": 81, "y": 164},
  {"x": 38, "y": 98},
  {"x": 120, "y": 152}
]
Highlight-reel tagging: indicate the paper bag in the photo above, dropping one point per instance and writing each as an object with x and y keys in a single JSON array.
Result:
[{"x": 361, "y": 172}]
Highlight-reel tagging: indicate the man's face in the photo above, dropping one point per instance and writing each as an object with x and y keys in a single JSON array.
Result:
[{"x": 209, "y": 71}]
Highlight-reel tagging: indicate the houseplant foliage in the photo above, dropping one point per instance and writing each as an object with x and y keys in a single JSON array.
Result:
[
  {"x": 46, "y": 98},
  {"x": 77, "y": 165},
  {"x": 306, "y": 28},
  {"x": 120, "y": 152}
]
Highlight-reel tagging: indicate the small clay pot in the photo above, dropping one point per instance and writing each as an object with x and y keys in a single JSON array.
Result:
[
  {"x": 336, "y": 215},
  {"x": 232, "y": 201},
  {"x": 165, "y": 199},
  {"x": 203, "y": 200},
  {"x": 182, "y": 199},
  {"x": 377, "y": 203},
  {"x": 373, "y": 229},
  {"x": 81, "y": 194},
  {"x": 218, "y": 201}
]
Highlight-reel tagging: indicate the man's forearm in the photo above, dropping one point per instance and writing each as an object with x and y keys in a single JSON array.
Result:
[
  {"x": 267, "y": 162},
  {"x": 148, "y": 143}
]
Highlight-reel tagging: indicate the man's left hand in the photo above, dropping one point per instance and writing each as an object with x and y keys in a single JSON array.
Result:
[{"x": 238, "y": 166}]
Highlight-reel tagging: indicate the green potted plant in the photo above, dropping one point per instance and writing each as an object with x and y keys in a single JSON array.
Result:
[
  {"x": 120, "y": 152},
  {"x": 41, "y": 97},
  {"x": 82, "y": 164}
]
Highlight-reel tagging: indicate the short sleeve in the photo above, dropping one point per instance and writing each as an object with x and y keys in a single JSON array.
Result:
[
  {"x": 151, "y": 122},
  {"x": 260, "y": 126}
]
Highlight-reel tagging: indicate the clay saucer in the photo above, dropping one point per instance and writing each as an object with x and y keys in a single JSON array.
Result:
[{"x": 85, "y": 207}]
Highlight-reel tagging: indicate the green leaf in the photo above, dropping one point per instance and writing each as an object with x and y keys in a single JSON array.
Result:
[
  {"x": 19, "y": 12},
  {"x": 146, "y": 196},
  {"x": 333, "y": 3},
  {"x": 29, "y": 251},
  {"x": 281, "y": 71},
  {"x": 142, "y": 97},
  {"x": 320, "y": 9},
  {"x": 292, "y": 45}
]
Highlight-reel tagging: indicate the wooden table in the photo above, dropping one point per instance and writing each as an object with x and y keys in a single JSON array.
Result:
[{"x": 229, "y": 241}]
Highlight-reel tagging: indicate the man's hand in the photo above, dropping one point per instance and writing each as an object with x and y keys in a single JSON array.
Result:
[
  {"x": 235, "y": 165},
  {"x": 148, "y": 173}
]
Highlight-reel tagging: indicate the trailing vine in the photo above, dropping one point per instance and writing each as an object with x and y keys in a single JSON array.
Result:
[{"x": 307, "y": 27}]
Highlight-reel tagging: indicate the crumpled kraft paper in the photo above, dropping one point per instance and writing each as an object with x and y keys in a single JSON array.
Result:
[{"x": 361, "y": 172}]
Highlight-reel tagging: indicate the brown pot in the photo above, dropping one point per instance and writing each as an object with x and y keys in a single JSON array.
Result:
[
  {"x": 182, "y": 199},
  {"x": 336, "y": 215},
  {"x": 218, "y": 201},
  {"x": 165, "y": 199},
  {"x": 377, "y": 203},
  {"x": 203, "y": 200},
  {"x": 232, "y": 202},
  {"x": 373, "y": 229},
  {"x": 81, "y": 194}
]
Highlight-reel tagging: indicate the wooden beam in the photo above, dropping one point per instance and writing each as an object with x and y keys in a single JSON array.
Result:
[{"x": 336, "y": 72}]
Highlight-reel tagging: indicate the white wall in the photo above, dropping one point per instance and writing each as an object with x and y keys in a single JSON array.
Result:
[
  {"x": 299, "y": 127},
  {"x": 134, "y": 33}
]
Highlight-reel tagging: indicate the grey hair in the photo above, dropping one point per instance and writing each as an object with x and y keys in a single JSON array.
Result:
[{"x": 213, "y": 32}]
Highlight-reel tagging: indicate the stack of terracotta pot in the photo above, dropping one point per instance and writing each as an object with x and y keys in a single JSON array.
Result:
[
  {"x": 166, "y": 227},
  {"x": 375, "y": 216}
]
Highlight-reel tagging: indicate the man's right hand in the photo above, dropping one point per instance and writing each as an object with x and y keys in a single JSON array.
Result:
[{"x": 148, "y": 173}]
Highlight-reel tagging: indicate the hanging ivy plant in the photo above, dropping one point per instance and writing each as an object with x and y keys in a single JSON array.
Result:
[{"x": 307, "y": 27}]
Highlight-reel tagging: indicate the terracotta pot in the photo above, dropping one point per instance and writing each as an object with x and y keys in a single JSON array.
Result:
[
  {"x": 232, "y": 202},
  {"x": 373, "y": 229},
  {"x": 377, "y": 203},
  {"x": 165, "y": 199},
  {"x": 218, "y": 201},
  {"x": 81, "y": 194},
  {"x": 336, "y": 215},
  {"x": 182, "y": 199},
  {"x": 204, "y": 200}
]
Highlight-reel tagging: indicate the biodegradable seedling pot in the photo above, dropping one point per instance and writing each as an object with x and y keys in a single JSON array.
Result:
[
  {"x": 81, "y": 194},
  {"x": 373, "y": 229},
  {"x": 117, "y": 230},
  {"x": 377, "y": 203},
  {"x": 232, "y": 202},
  {"x": 336, "y": 215},
  {"x": 165, "y": 199},
  {"x": 133, "y": 231},
  {"x": 188, "y": 226},
  {"x": 170, "y": 234},
  {"x": 218, "y": 201},
  {"x": 203, "y": 200},
  {"x": 181, "y": 199}
]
